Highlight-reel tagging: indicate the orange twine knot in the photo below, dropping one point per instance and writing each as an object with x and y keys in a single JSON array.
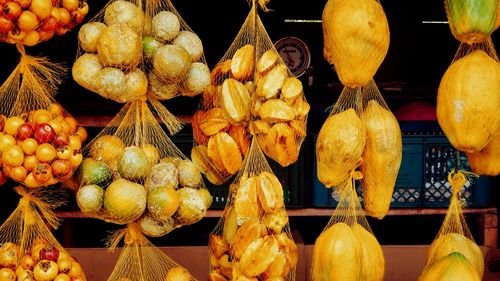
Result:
[
  {"x": 29, "y": 201},
  {"x": 457, "y": 180}
]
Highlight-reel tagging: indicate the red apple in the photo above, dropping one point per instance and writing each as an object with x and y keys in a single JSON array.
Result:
[
  {"x": 62, "y": 139},
  {"x": 44, "y": 133},
  {"x": 6, "y": 25},
  {"x": 25, "y": 131},
  {"x": 49, "y": 253},
  {"x": 50, "y": 24},
  {"x": 12, "y": 10}
]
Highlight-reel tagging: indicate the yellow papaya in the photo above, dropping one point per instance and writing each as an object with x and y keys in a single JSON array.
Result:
[
  {"x": 337, "y": 255},
  {"x": 340, "y": 144},
  {"x": 454, "y": 242},
  {"x": 356, "y": 38},
  {"x": 487, "y": 161},
  {"x": 468, "y": 101},
  {"x": 381, "y": 158},
  {"x": 454, "y": 266},
  {"x": 373, "y": 260}
]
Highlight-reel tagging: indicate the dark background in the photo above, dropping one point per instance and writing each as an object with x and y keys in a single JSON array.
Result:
[{"x": 418, "y": 56}]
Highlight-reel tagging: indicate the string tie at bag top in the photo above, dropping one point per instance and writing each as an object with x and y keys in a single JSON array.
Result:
[{"x": 43, "y": 201}]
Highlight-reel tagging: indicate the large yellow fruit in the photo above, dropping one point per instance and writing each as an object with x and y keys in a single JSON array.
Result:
[
  {"x": 487, "y": 161},
  {"x": 452, "y": 267},
  {"x": 340, "y": 144},
  {"x": 337, "y": 255},
  {"x": 468, "y": 102},
  {"x": 373, "y": 260},
  {"x": 454, "y": 242},
  {"x": 381, "y": 158},
  {"x": 125, "y": 201},
  {"x": 356, "y": 38}
]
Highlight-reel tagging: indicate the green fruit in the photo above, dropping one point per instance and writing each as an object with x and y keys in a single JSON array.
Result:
[
  {"x": 89, "y": 198},
  {"x": 163, "y": 202},
  {"x": 154, "y": 228},
  {"x": 191, "y": 206},
  {"x": 93, "y": 172},
  {"x": 189, "y": 175},
  {"x": 125, "y": 200},
  {"x": 133, "y": 164},
  {"x": 471, "y": 20},
  {"x": 150, "y": 46}
]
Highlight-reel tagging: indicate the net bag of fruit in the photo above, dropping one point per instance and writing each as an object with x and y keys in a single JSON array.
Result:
[
  {"x": 250, "y": 82},
  {"x": 382, "y": 153},
  {"x": 471, "y": 121},
  {"x": 252, "y": 241},
  {"x": 356, "y": 40},
  {"x": 40, "y": 142},
  {"x": 138, "y": 50},
  {"x": 453, "y": 255},
  {"x": 29, "y": 22},
  {"x": 141, "y": 260},
  {"x": 28, "y": 249},
  {"x": 347, "y": 248},
  {"x": 132, "y": 172}
]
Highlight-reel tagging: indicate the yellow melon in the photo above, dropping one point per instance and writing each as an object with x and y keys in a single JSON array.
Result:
[
  {"x": 468, "y": 102},
  {"x": 356, "y": 38},
  {"x": 487, "y": 161},
  {"x": 450, "y": 268},
  {"x": 373, "y": 260},
  {"x": 381, "y": 158}
]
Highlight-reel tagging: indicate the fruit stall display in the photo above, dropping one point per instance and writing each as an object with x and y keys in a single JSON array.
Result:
[
  {"x": 360, "y": 140},
  {"x": 470, "y": 121},
  {"x": 251, "y": 93},
  {"x": 140, "y": 53}
]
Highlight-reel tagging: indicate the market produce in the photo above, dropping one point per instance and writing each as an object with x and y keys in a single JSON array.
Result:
[
  {"x": 471, "y": 21},
  {"x": 28, "y": 249},
  {"x": 382, "y": 153},
  {"x": 356, "y": 39},
  {"x": 131, "y": 51},
  {"x": 141, "y": 260},
  {"x": 39, "y": 141},
  {"x": 451, "y": 267},
  {"x": 252, "y": 241},
  {"x": 31, "y": 22},
  {"x": 133, "y": 171},
  {"x": 251, "y": 91},
  {"x": 454, "y": 239},
  {"x": 486, "y": 162},
  {"x": 470, "y": 120},
  {"x": 347, "y": 249}
]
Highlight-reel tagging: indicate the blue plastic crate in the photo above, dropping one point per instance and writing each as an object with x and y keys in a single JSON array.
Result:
[{"x": 422, "y": 179}]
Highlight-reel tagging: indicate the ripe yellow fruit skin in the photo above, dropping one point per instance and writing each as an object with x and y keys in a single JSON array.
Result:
[
  {"x": 487, "y": 161},
  {"x": 356, "y": 39},
  {"x": 373, "y": 260},
  {"x": 381, "y": 158},
  {"x": 340, "y": 144},
  {"x": 453, "y": 267},
  {"x": 468, "y": 102}
]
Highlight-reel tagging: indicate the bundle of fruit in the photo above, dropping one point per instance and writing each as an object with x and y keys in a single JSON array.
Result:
[
  {"x": 251, "y": 91},
  {"x": 134, "y": 172},
  {"x": 39, "y": 141},
  {"x": 361, "y": 131},
  {"x": 471, "y": 122},
  {"x": 150, "y": 262},
  {"x": 253, "y": 240},
  {"x": 347, "y": 248},
  {"x": 29, "y": 22},
  {"x": 454, "y": 254},
  {"x": 28, "y": 250},
  {"x": 128, "y": 53}
]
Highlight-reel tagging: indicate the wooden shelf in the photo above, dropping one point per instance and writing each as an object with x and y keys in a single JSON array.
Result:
[
  {"x": 320, "y": 212},
  {"x": 103, "y": 120}
]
